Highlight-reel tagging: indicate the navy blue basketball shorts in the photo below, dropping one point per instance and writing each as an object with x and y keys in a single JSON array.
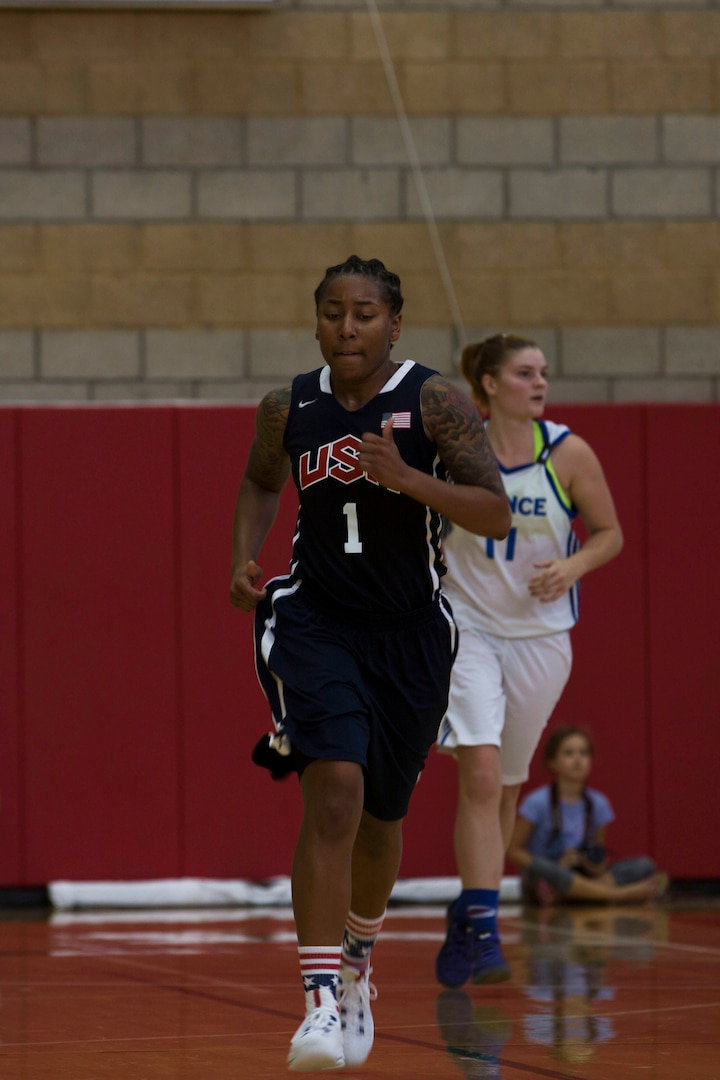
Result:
[{"x": 343, "y": 692}]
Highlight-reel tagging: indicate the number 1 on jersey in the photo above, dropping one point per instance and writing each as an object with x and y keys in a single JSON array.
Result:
[{"x": 353, "y": 544}]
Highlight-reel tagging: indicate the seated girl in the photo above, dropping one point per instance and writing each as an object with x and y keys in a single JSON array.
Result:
[{"x": 558, "y": 843}]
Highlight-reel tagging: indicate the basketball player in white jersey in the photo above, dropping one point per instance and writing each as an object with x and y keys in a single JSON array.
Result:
[{"x": 515, "y": 602}]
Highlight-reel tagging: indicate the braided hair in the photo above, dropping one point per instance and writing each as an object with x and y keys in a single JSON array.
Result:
[{"x": 370, "y": 268}]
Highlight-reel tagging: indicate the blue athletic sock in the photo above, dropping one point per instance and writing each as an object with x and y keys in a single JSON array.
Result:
[{"x": 479, "y": 908}]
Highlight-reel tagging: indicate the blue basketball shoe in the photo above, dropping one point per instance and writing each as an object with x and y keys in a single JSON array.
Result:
[
  {"x": 488, "y": 963},
  {"x": 454, "y": 962}
]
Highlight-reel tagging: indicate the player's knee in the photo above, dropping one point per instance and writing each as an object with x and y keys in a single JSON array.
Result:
[
  {"x": 333, "y": 802},
  {"x": 480, "y": 781},
  {"x": 333, "y": 820}
]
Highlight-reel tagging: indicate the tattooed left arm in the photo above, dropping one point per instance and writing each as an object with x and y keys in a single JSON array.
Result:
[{"x": 476, "y": 499}]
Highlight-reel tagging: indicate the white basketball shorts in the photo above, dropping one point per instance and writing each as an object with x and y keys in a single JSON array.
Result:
[{"x": 502, "y": 693}]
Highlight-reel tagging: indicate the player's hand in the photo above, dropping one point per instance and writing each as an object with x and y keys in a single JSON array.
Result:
[
  {"x": 554, "y": 579},
  {"x": 570, "y": 858},
  {"x": 380, "y": 458},
  {"x": 243, "y": 594}
]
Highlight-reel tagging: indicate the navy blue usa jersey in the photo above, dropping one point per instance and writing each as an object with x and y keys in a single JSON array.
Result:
[{"x": 359, "y": 546}]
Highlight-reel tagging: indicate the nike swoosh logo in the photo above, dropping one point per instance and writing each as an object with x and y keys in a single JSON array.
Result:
[{"x": 302, "y": 404}]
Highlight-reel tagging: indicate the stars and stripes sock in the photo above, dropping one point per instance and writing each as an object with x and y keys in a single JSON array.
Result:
[
  {"x": 479, "y": 908},
  {"x": 319, "y": 967},
  {"x": 359, "y": 937}
]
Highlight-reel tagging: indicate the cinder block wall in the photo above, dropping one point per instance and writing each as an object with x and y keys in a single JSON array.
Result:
[{"x": 173, "y": 184}]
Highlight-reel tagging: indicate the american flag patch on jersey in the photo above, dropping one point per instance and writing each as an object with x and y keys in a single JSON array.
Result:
[{"x": 400, "y": 420}]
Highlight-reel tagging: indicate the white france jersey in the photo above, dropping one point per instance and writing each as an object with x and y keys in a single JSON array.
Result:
[{"x": 487, "y": 580}]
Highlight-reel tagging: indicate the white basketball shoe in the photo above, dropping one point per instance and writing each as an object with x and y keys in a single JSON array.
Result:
[
  {"x": 355, "y": 992},
  {"x": 318, "y": 1042}
]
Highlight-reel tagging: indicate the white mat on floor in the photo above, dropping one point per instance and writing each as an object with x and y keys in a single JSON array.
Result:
[{"x": 205, "y": 892}]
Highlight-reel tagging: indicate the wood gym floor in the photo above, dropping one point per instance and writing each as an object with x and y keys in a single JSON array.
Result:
[{"x": 598, "y": 993}]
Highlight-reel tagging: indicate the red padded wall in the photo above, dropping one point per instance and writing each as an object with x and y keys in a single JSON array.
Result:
[
  {"x": 684, "y": 635},
  {"x": 129, "y": 698},
  {"x": 11, "y": 762},
  {"x": 100, "y": 590}
]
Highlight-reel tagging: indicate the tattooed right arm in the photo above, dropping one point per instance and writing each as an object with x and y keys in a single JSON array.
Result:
[
  {"x": 267, "y": 469},
  {"x": 268, "y": 464}
]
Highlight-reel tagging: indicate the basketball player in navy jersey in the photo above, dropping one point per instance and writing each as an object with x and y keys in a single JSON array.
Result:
[{"x": 354, "y": 647}]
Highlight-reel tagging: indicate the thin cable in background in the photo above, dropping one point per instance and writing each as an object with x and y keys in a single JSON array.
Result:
[{"x": 417, "y": 171}]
